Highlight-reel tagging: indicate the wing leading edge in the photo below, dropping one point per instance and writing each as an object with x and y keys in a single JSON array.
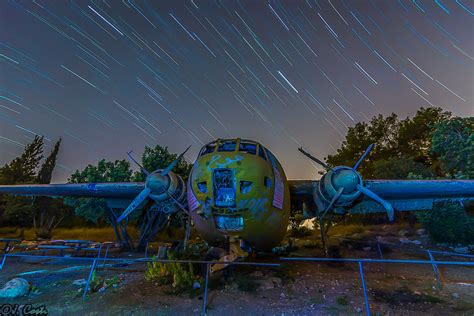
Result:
[
  {"x": 114, "y": 190},
  {"x": 404, "y": 195}
]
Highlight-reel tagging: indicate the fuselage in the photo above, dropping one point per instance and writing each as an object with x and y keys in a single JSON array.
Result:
[{"x": 238, "y": 188}]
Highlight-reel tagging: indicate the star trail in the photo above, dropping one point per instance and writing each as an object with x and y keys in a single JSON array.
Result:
[{"x": 113, "y": 76}]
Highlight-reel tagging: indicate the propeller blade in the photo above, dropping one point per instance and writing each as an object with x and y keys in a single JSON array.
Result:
[
  {"x": 367, "y": 151},
  {"x": 173, "y": 163},
  {"x": 320, "y": 162},
  {"x": 334, "y": 199},
  {"x": 135, "y": 203},
  {"x": 129, "y": 154},
  {"x": 388, "y": 207}
]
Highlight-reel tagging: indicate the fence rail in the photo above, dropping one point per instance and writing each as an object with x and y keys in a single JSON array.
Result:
[{"x": 95, "y": 263}]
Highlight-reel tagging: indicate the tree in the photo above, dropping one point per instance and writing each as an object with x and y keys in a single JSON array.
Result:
[
  {"x": 21, "y": 170},
  {"x": 430, "y": 145},
  {"x": 397, "y": 144},
  {"x": 159, "y": 158},
  {"x": 49, "y": 213},
  {"x": 453, "y": 143},
  {"x": 93, "y": 209}
]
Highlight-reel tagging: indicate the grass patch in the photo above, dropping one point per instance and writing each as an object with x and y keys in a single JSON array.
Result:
[{"x": 342, "y": 300}]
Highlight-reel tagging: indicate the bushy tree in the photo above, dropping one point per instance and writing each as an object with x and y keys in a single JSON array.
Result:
[
  {"x": 25, "y": 169},
  {"x": 453, "y": 143},
  {"x": 93, "y": 209},
  {"x": 430, "y": 145},
  {"x": 159, "y": 157},
  {"x": 17, "y": 210},
  {"x": 48, "y": 212},
  {"x": 408, "y": 141}
]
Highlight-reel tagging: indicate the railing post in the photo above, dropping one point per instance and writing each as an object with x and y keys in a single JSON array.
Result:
[
  {"x": 435, "y": 269},
  {"x": 106, "y": 253},
  {"x": 91, "y": 272},
  {"x": 366, "y": 299},
  {"x": 380, "y": 251},
  {"x": 3, "y": 261},
  {"x": 204, "y": 303}
]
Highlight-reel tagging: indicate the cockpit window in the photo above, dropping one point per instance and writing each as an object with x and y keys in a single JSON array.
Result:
[
  {"x": 227, "y": 145},
  {"x": 209, "y": 148},
  {"x": 248, "y": 148},
  {"x": 261, "y": 152}
]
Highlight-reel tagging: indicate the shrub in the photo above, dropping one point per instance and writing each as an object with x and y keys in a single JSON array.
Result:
[{"x": 448, "y": 222}]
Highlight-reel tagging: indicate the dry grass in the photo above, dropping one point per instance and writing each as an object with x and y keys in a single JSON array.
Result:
[{"x": 85, "y": 233}]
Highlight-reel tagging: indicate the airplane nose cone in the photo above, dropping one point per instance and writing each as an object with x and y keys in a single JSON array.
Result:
[
  {"x": 347, "y": 179},
  {"x": 156, "y": 182}
]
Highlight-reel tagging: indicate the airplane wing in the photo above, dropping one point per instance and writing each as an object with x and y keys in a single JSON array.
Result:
[
  {"x": 113, "y": 190},
  {"x": 402, "y": 195}
]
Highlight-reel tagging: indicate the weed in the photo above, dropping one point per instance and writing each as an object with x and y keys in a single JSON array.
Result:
[{"x": 342, "y": 300}]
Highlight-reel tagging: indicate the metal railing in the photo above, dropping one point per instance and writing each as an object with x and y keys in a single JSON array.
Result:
[{"x": 360, "y": 261}]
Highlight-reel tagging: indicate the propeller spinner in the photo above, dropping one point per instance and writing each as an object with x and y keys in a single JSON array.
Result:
[{"x": 161, "y": 186}]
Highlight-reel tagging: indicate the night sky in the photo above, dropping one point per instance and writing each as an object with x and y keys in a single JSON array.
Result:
[{"x": 112, "y": 76}]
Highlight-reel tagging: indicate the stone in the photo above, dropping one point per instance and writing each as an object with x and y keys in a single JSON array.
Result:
[
  {"x": 17, "y": 287},
  {"x": 404, "y": 240},
  {"x": 367, "y": 248},
  {"x": 402, "y": 232},
  {"x": 461, "y": 249},
  {"x": 421, "y": 231},
  {"x": 79, "y": 282},
  {"x": 282, "y": 295},
  {"x": 196, "y": 285},
  {"x": 416, "y": 242},
  {"x": 455, "y": 295}
]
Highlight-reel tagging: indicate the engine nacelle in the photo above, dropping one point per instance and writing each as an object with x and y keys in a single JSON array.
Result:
[
  {"x": 335, "y": 179},
  {"x": 166, "y": 191}
]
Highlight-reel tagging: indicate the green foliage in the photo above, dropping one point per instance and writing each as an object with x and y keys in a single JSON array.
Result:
[
  {"x": 448, "y": 222},
  {"x": 400, "y": 168},
  {"x": 17, "y": 210},
  {"x": 159, "y": 158},
  {"x": 342, "y": 300},
  {"x": 98, "y": 283},
  {"x": 394, "y": 139},
  {"x": 430, "y": 145},
  {"x": 453, "y": 143},
  {"x": 181, "y": 275},
  {"x": 23, "y": 169},
  {"x": 92, "y": 209}
]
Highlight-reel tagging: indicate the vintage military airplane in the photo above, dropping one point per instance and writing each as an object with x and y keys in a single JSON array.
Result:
[{"x": 237, "y": 190}]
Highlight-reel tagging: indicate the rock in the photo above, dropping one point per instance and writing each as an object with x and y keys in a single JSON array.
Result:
[
  {"x": 404, "y": 240},
  {"x": 15, "y": 288},
  {"x": 102, "y": 289},
  {"x": 421, "y": 231},
  {"x": 461, "y": 249},
  {"x": 196, "y": 285},
  {"x": 282, "y": 295},
  {"x": 258, "y": 274},
  {"x": 402, "y": 232},
  {"x": 416, "y": 242},
  {"x": 455, "y": 295},
  {"x": 367, "y": 248},
  {"x": 79, "y": 282}
]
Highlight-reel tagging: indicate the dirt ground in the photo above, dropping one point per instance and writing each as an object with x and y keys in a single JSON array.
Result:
[{"x": 297, "y": 288}]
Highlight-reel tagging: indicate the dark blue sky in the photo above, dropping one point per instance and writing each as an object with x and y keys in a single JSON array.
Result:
[{"x": 113, "y": 76}]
